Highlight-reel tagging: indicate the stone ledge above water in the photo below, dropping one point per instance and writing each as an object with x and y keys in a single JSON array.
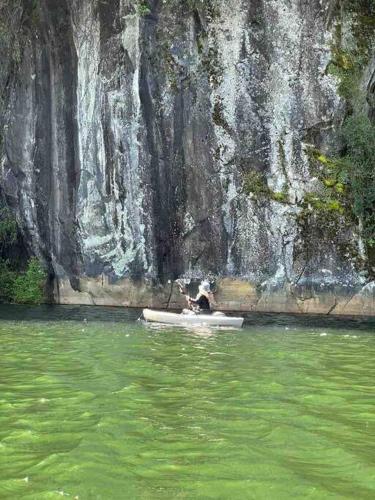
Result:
[{"x": 231, "y": 295}]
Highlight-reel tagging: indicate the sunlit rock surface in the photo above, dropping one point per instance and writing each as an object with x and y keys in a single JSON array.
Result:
[{"x": 128, "y": 134}]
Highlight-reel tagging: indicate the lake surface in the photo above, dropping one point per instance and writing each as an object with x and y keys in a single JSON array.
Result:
[{"x": 97, "y": 405}]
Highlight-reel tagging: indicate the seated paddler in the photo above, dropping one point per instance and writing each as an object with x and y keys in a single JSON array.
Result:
[{"x": 202, "y": 302}]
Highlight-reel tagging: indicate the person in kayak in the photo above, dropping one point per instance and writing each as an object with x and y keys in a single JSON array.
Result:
[{"x": 201, "y": 303}]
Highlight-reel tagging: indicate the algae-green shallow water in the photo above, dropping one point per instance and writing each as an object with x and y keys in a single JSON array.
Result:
[{"x": 111, "y": 408}]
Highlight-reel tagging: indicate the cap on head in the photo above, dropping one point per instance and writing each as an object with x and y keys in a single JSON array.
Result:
[{"x": 205, "y": 286}]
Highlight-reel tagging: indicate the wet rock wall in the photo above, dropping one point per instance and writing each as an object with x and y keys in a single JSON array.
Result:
[{"x": 130, "y": 130}]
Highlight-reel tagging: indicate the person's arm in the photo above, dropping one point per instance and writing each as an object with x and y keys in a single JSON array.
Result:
[
  {"x": 202, "y": 302},
  {"x": 197, "y": 298}
]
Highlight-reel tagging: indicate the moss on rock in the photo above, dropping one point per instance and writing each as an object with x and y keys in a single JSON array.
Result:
[{"x": 255, "y": 184}]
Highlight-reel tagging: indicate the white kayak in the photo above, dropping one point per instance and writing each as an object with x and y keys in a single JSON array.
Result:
[{"x": 215, "y": 319}]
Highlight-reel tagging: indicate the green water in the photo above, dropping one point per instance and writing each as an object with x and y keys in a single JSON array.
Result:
[{"x": 115, "y": 409}]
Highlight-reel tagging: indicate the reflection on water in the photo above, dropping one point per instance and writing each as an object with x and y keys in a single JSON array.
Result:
[{"x": 95, "y": 404}]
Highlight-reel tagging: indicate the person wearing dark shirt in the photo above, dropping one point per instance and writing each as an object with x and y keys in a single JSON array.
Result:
[{"x": 201, "y": 303}]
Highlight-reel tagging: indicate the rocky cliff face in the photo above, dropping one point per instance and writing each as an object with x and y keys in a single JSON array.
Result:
[{"x": 145, "y": 141}]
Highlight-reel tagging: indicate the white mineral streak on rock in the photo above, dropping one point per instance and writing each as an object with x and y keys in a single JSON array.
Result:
[
  {"x": 298, "y": 97},
  {"x": 133, "y": 217},
  {"x": 189, "y": 222},
  {"x": 284, "y": 82},
  {"x": 243, "y": 221},
  {"x": 227, "y": 35},
  {"x": 90, "y": 134},
  {"x": 299, "y": 93},
  {"x": 298, "y": 90},
  {"x": 112, "y": 230}
]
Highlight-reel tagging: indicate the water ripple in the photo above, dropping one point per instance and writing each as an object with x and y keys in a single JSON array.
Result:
[{"x": 272, "y": 411}]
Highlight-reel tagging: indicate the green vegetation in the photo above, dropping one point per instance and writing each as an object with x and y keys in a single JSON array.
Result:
[
  {"x": 332, "y": 172},
  {"x": 29, "y": 286},
  {"x": 348, "y": 186},
  {"x": 329, "y": 199},
  {"x": 346, "y": 193},
  {"x": 256, "y": 184},
  {"x": 8, "y": 228},
  {"x": 359, "y": 139},
  {"x": 347, "y": 67},
  {"x": 280, "y": 196},
  {"x": 347, "y": 182},
  {"x": 322, "y": 203},
  {"x": 7, "y": 280},
  {"x": 350, "y": 57},
  {"x": 22, "y": 288},
  {"x": 16, "y": 286},
  {"x": 344, "y": 196},
  {"x": 210, "y": 62},
  {"x": 34, "y": 11},
  {"x": 144, "y": 8},
  {"x": 218, "y": 116}
]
